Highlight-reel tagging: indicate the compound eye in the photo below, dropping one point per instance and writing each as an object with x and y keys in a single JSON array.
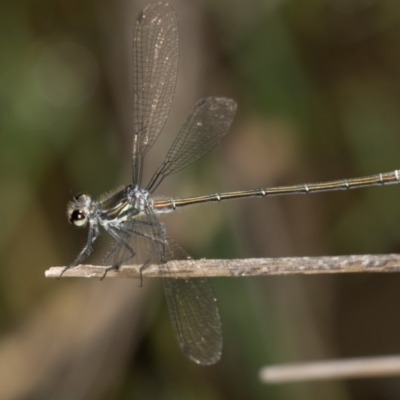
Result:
[{"x": 78, "y": 218}]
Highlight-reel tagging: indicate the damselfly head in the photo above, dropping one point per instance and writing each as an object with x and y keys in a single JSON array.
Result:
[{"x": 78, "y": 209}]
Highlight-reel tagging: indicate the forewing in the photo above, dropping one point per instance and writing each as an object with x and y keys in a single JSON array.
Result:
[{"x": 155, "y": 68}]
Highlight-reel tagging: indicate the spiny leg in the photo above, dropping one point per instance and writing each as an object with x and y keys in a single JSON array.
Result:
[
  {"x": 144, "y": 266},
  {"x": 86, "y": 251},
  {"x": 131, "y": 231},
  {"x": 141, "y": 234},
  {"x": 121, "y": 242},
  {"x": 156, "y": 238},
  {"x": 158, "y": 256},
  {"x": 151, "y": 240}
]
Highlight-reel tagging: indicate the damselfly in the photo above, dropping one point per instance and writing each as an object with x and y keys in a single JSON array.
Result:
[{"x": 129, "y": 214}]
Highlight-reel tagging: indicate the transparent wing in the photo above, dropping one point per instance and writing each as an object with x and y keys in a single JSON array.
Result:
[
  {"x": 191, "y": 302},
  {"x": 155, "y": 68},
  {"x": 205, "y": 126},
  {"x": 194, "y": 313}
]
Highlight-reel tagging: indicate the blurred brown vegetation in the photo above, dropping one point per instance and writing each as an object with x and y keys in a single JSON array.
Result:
[{"x": 318, "y": 87}]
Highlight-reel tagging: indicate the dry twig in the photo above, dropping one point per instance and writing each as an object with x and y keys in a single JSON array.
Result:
[{"x": 245, "y": 267}]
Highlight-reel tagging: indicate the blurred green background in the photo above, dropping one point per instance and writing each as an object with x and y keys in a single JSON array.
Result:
[{"x": 318, "y": 88}]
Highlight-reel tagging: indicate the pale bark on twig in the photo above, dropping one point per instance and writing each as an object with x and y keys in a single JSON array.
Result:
[{"x": 244, "y": 267}]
